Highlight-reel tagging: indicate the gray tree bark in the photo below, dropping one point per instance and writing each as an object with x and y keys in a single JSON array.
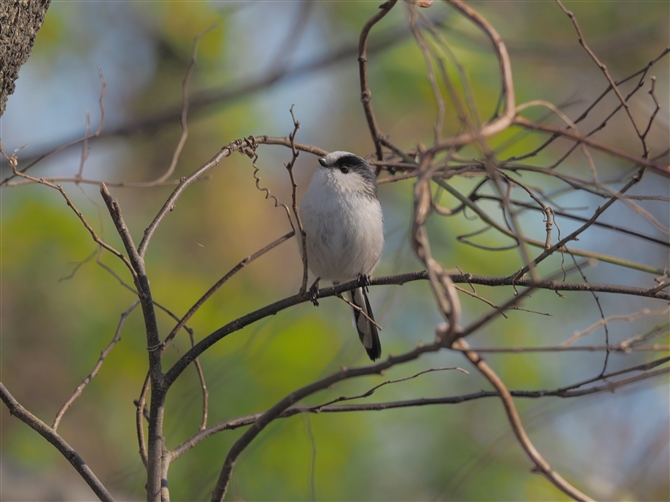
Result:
[{"x": 20, "y": 21}]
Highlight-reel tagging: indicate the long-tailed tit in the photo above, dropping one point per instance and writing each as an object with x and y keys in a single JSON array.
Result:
[{"x": 342, "y": 219}]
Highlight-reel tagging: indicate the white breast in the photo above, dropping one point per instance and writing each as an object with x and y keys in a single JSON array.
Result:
[{"x": 344, "y": 226}]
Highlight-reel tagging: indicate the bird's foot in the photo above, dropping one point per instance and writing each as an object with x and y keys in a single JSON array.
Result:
[
  {"x": 364, "y": 280},
  {"x": 314, "y": 292}
]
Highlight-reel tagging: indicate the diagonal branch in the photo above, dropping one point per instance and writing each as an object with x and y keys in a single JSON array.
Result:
[
  {"x": 96, "y": 368},
  {"x": 515, "y": 421},
  {"x": 603, "y": 68},
  {"x": 266, "y": 418},
  {"x": 57, "y": 441},
  {"x": 13, "y": 161},
  {"x": 243, "y": 263},
  {"x": 661, "y": 169}
]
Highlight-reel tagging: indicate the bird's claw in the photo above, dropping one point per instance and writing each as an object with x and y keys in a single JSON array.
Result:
[
  {"x": 364, "y": 280},
  {"x": 314, "y": 293}
]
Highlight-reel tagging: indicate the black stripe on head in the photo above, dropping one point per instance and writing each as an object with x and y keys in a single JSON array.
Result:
[
  {"x": 359, "y": 165},
  {"x": 351, "y": 161}
]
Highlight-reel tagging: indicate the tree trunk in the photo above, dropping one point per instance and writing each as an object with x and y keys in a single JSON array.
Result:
[{"x": 19, "y": 22}]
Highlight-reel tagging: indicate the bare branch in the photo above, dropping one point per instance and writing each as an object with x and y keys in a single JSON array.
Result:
[
  {"x": 184, "y": 183},
  {"x": 637, "y": 161},
  {"x": 366, "y": 95},
  {"x": 507, "y": 118},
  {"x": 246, "y": 261},
  {"x": 75, "y": 142},
  {"x": 605, "y": 321},
  {"x": 401, "y": 279},
  {"x": 294, "y": 397},
  {"x": 573, "y": 235},
  {"x": 515, "y": 422},
  {"x": 13, "y": 163},
  {"x": 184, "y": 111},
  {"x": 615, "y": 347},
  {"x": 158, "y": 390},
  {"x": 57, "y": 441},
  {"x": 603, "y": 68},
  {"x": 247, "y": 420},
  {"x": 575, "y": 217},
  {"x": 371, "y": 391},
  {"x": 96, "y": 368},
  {"x": 140, "y": 414},
  {"x": 294, "y": 203}
]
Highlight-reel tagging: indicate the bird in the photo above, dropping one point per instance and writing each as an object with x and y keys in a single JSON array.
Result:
[{"x": 344, "y": 233}]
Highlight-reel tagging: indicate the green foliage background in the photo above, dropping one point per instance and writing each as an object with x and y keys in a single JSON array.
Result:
[{"x": 60, "y": 309}]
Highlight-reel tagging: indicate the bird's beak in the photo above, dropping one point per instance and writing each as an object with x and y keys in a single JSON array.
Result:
[{"x": 322, "y": 161}]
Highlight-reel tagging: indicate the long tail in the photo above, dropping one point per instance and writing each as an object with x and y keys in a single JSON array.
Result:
[{"x": 367, "y": 331}]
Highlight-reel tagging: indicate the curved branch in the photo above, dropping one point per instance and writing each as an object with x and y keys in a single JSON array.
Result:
[
  {"x": 184, "y": 112},
  {"x": 503, "y": 122},
  {"x": 515, "y": 421}
]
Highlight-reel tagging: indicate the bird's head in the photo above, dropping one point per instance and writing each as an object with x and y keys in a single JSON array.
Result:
[{"x": 349, "y": 172}]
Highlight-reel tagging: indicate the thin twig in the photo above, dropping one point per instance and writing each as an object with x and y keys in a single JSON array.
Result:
[
  {"x": 243, "y": 263},
  {"x": 96, "y": 368},
  {"x": 600, "y": 210},
  {"x": 13, "y": 163},
  {"x": 184, "y": 112},
  {"x": 575, "y": 217},
  {"x": 577, "y": 252},
  {"x": 604, "y": 321},
  {"x": 661, "y": 169},
  {"x": 641, "y": 367},
  {"x": 70, "y": 143},
  {"x": 366, "y": 95},
  {"x": 506, "y": 119},
  {"x": 615, "y": 347},
  {"x": 294, "y": 203},
  {"x": 439, "y": 99},
  {"x": 603, "y": 68},
  {"x": 184, "y": 183},
  {"x": 371, "y": 391},
  {"x": 360, "y": 311},
  {"x": 140, "y": 416}
]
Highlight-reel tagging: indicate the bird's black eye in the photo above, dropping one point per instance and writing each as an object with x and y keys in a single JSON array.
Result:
[{"x": 344, "y": 170}]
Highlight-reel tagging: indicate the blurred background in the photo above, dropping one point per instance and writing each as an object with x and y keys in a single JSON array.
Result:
[{"x": 59, "y": 308}]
